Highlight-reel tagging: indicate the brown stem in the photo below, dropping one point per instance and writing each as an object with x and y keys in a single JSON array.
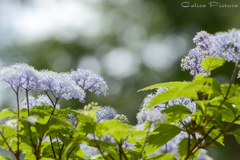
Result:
[
  {"x": 196, "y": 147},
  {"x": 58, "y": 144},
  {"x": 121, "y": 150},
  {"x": 10, "y": 149},
  {"x": 71, "y": 151},
  {"x": 223, "y": 132},
  {"x": 54, "y": 107},
  {"x": 52, "y": 147},
  {"x": 49, "y": 98},
  {"x": 60, "y": 153},
  {"x": 18, "y": 143}
]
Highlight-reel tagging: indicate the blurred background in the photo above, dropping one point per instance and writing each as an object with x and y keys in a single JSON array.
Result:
[{"x": 130, "y": 43}]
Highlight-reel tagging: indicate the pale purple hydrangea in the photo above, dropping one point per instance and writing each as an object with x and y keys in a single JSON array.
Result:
[
  {"x": 20, "y": 76},
  {"x": 41, "y": 100},
  {"x": 89, "y": 149},
  {"x": 60, "y": 85},
  {"x": 193, "y": 62},
  {"x": 106, "y": 113},
  {"x": 29, "y": 76},
  {"x": 187, "y": 102},
  {"x": 72, "y": 119},
  {"x": 151, "y": 116},
  {"x": 127, "y": 145},
  {"x": 89, "y": 81},
  {"x": 221, "y": 44},
  {"x": 149, "y": 97}
]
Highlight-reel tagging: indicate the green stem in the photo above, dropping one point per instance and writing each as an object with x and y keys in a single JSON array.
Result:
[{"x": 150, "y": 123}]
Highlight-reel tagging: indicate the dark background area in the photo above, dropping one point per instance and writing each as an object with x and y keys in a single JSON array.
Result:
[{"x": 130, "y": 43}]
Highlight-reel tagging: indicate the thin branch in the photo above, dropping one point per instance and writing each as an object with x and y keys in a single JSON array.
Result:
[
  {"x": 54, "y": 107},
  {"x": 60, "y": 153},
  {"x": 71, "y": 152},
  {"x": 52, "y": 147},
  {"x": 58, "y": 144},
  {"x": 121, "y": 150},
  {"x": 10, "y": 149},
  {"x": 189, "y": 143},
  {"x": 150, "y": 123},
  {"x": 223, "y": 132},
  {"x": 195, "y": 147},
  {"x": 49, "y": 98},
  {"x": 18, "y": 143}
]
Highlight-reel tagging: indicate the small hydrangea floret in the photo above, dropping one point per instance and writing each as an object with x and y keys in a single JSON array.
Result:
[{"x": 89, "y": 81}]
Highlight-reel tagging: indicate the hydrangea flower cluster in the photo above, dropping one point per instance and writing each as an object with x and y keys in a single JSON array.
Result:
[
  {"x": 41, "y": 100},
  {"x": 150, "y": 116},
  {"x": 60, "y": 86},
  {"x": 89, "y": 81},
  {"x": 221, "y": 44},
  {"x": 149, "y": 97},
  {"x": 20, "y": 76},
  {"x": 121, "y": 118},
  {"x": 72, "y": 119},
  {"x": 105, "y": 113}
]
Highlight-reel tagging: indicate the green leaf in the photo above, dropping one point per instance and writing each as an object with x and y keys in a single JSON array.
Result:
[
  {"x": 176, "y": 108},
  {"x": 175, "y": 113},
  {"x": 214, "y": 133},
  {"x": 7, "y": 113},
  {"x": 46, "y": 148},
  {"x": 166, "y": 133},
  {"x": 172, "y": 94},
  {"x": 168, "y": 84},
  {"x": 200, "y": 76},
  {"x": 28, "y": 151},
  {"x": 207, "y": 85},
  {"x": 233, "y": 90},
  {"x": 5, "y": 158},
  {"x": 72, "y": 143},
  {"x": 183, "y": 148},
  {"x": 164, "y": 156},
  {"x": 211, "y": 63},
  {"x": 118, "y": 129},
  {"x": 201, "y": 105},
  {"x": 86, "y": 155},
  {"x": 103, "y": 145},
  {"x": 227, "y": 104},
  {"x": 8, "y": 131},
  {"x": 236, "y": 133}
]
